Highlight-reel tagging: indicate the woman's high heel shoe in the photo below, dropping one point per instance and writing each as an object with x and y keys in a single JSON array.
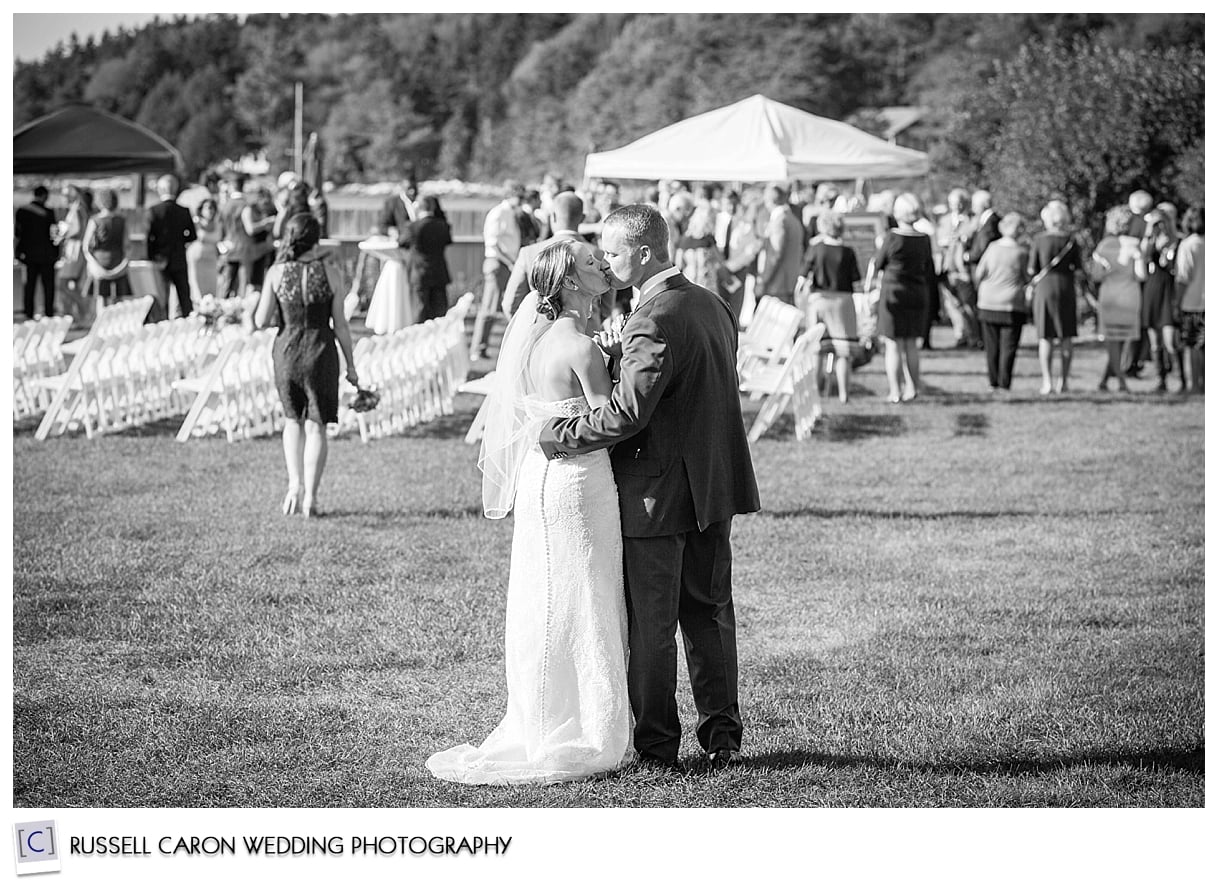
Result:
[{"x": 291, "y": 502}]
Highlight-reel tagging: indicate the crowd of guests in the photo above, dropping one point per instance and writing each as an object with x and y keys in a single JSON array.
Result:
[
  {"x": 216, "y": 238},
  {"x": 985, "y": 272}
]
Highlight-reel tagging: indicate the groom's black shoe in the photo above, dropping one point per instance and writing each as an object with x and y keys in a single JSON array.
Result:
[
  {"x": 718, "y": 760},
  {"x": 647, "y": 761}
]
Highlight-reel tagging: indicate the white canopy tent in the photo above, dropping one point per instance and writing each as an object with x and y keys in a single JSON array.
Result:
[{"x": 757, "y": 140}]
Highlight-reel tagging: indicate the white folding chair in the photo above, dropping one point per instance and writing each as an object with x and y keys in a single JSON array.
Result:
[{"x": 774, "y": 382}]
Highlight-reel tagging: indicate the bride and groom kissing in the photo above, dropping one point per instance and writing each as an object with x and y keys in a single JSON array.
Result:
[{"x": 624, "y": 478}]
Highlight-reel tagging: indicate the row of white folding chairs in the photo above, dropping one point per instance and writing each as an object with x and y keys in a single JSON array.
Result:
[
  {"x": 237, "y": 394},
  {"x": 415, "y": 370},
  {"x": 125, "y": 379},
  {"x": 37, "y": 352}
]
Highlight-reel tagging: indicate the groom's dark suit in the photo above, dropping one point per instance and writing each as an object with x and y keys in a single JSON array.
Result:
[{"x": 682, "y": 465}]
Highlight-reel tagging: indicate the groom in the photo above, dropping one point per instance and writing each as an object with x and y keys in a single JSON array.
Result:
[{"x": 681, "y": 461}]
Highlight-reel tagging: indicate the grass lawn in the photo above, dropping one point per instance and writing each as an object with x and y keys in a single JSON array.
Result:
[{"x": 962, "y": 601}]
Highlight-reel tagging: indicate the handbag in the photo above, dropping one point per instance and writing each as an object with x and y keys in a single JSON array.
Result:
[{"x": 1029, "y": 290}]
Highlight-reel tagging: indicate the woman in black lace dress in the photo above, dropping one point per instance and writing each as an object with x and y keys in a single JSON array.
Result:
[{"x": 300, "y": 291}]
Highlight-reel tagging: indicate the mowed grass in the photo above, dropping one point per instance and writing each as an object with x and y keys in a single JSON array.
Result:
[{"x": 963, "y": 601}]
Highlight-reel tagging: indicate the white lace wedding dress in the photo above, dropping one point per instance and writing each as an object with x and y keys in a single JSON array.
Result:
[{"x": 568, "y": 713}]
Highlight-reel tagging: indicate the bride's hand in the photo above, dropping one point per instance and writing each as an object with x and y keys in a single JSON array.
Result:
[{"x": 610, "y": 342}]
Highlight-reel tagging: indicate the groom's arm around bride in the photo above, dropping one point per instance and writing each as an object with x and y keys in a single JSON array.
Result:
[{"x": 682, "y": 465}]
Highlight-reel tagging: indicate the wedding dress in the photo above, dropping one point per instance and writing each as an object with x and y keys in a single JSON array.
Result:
[{"x": 568, "y": 712}]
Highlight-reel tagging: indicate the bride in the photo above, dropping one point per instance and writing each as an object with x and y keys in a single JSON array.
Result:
[{"x": 568, "y": 714}]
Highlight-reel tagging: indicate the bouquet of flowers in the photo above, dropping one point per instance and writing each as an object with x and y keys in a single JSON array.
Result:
[
  {"x": 365, "y": 400},
  {"x": 218, "y": 312}
]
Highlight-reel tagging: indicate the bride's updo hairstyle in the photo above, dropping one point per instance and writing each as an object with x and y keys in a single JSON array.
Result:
[{"x": 551, "y": 266}]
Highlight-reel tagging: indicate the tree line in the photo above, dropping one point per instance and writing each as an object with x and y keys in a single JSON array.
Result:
[{"x": 1083, "y": 106}]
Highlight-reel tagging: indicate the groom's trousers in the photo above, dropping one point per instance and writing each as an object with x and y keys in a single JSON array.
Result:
[{"x": 683, "y": 579}]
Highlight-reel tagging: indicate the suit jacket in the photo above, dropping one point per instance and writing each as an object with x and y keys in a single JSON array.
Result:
[
  {"x": 170, "y": 229},
  {"x": 680, "y": 456},
  {"x": 783, "y": 253},
  {"x": 33, "y": 227},
  {"x": 428, "y": 237},
  {"x": 985, "y": 231},
  {"x": 518, "y": 282},
  {"x": 397, "y": 214}
]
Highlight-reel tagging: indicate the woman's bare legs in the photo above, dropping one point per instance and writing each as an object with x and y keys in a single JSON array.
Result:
[
  {"x": 912, "y": 365},
  {"x": 1044, "y": 352},
  {"x": 892, "y": 368},
  {"x": 315, "y": 449},
  {"x": 1067, "y": 351},
  {"x": 293, "y": 455}
]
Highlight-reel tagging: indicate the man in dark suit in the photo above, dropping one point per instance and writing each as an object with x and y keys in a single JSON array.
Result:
[
  {"x": 34, "y": 233},
  {"x": 682, "y": 465},
  {"x": 170, "y": 230},
  {"x": 984, "y": 231},
  {"x": 398, "y": 212},
  {"x": 566, "y": 213}
]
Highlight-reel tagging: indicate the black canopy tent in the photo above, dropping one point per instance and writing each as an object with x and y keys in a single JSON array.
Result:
[{"x": 79, "y": 139}]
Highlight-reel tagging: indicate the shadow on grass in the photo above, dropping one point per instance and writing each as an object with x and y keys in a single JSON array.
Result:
[
  {"x": 1191, "y": 760},
  {"x": 397, "y": 516},
  {"x": 976, "y": 424},
  {"x": 839, "y": 427},
  {"x": 890, "y": 515}
]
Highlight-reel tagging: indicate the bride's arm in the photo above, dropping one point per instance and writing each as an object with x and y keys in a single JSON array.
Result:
[{"x": 589, "y": 368}]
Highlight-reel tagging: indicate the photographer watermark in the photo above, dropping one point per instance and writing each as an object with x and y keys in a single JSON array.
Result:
[{"x": 35, "y": 847}]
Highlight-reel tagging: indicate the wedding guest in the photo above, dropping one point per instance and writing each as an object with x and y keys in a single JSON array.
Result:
[
  {"x": 1159, "y": 242},
  {"x": 203, "y": 255},
  {"x": 984, "y": 230},
  {"x": 34, "y": 232},
  {"x": 292, "y": 199},
  {"x": 319, "y": 207},
  {"x": 1001, "y": 300},
  {"x": 1190, "y": 288},
  {"x": 1118, "y": 266},
  {"x": 300, "y": 294},
  {"x": 526, "y": 217},
  {"x": 398, "y": 211},
  {"x": 958, "y": 295},
  {"x": 259, "y": 220},
  {"x": 567, "y": 212},
  {"x": 207, "y": 187},
  {"x": 676, "y": 215},
  {"x": 501, "y": 243},
  {"x": 1134, "y": 357},
  {"x": 106, "y": 249},
  {"x": 783, "y": 248},
  {"x": 823, "y": 199},
  {"x": 697, "y": 255},
  {"x": 1055, "y": 259},
  {"x": 170, "y": 230},
  {"x": 72, "y": 234},
  {"x": 830, "y": 272},
  {"x": 906, "y": 272},
  {"x": 934, "y": 304},
  {"x": 739, "y": 246},
  {"x": 430, "y": 234},
  {"x": 235, "y": 243}
]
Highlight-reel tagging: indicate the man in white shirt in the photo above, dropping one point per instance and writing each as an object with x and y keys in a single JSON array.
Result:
[{"x": 501, "y": 239}]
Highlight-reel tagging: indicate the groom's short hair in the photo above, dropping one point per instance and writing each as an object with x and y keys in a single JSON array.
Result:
[{"x": 642, "y": 224}]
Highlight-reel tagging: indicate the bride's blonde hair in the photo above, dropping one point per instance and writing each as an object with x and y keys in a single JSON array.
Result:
[{"x": 550, "y": 267}]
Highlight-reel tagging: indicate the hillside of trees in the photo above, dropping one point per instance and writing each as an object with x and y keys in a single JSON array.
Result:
[{"x": 483, "y": 96}]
